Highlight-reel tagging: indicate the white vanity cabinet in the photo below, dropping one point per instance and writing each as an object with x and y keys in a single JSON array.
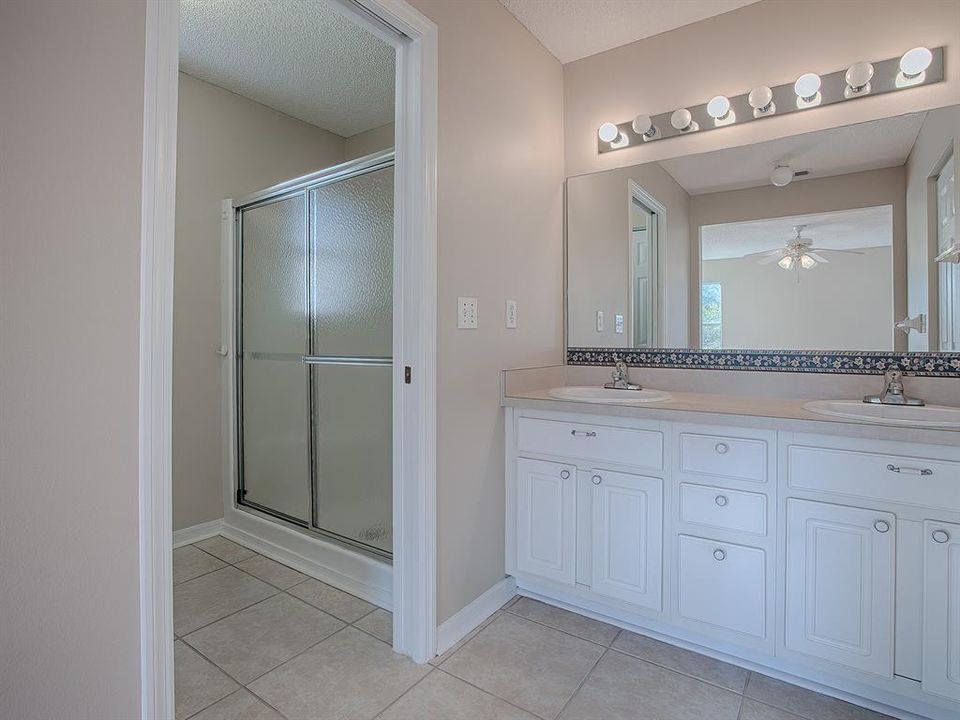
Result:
[
  {"x": 828, "y": 558},
  {"x": 840, "y": 584}
]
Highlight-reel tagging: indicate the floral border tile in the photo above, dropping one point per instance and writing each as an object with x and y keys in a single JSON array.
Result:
[{"x": 823, "y": 361}]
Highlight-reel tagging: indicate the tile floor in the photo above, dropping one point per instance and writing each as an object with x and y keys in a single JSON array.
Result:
[{"x": 257, "y": 640}]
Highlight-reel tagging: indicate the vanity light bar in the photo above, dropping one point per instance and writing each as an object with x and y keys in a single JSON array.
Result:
[{"x": 808, "y": 91}]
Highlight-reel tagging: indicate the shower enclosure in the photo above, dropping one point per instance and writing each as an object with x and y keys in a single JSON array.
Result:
[{"x": 314, "y": 326}]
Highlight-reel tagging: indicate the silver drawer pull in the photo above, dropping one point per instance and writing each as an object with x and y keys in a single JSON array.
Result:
[
  {"x": 596, "y": 479},
  {"x": 881, "y": 526},
  {"x": 581, "y": 433},
  {"x": 909, "y": 470},
  {"x": 722, "y": 448},
  {"x": 719, "y": 555},
  {"x": 940, "y": 536},
  {"x": 564, "y": 474},
  {"x": 720, "y": 500}
]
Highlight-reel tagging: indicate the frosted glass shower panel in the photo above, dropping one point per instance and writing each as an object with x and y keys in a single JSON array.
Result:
[
  {"x": 275, "y": 277},
  {"x": 353, "y": 426},
  {"x": 352, "y": 235},
  {"x": 273, "y": 379}
]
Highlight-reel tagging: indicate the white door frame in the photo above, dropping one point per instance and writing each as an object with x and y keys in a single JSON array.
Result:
[{"x": 414, "y": 575}]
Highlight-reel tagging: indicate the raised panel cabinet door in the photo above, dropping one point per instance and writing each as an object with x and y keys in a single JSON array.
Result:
[
  {"x": 628, "y": 537},
  {"x": 840, "y": 584},
  {"x": 941, "y": 609},
  {"x": 546, "y": 519}
]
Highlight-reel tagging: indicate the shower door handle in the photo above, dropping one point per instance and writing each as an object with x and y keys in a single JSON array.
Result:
[{"x": 346, "y": 360}]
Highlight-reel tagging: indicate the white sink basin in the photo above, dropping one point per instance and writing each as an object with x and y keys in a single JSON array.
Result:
[
  {"x": 594, "y": 394},
  {"x": 926, "y": 416}
]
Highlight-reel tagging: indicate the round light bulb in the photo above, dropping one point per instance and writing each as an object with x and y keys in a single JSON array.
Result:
[
  {"x": 608, "y": 132},
  {"x": 858, "y": 75},
  {"x": 760, "y": 97},
  {"x": 643, "y": 125},
  {"x": 781, "y": 176},
  {"x": 786, "y": 262},
  {"x": 681, "y": 119},
  {"x": 807, "y": 86},
  {"x": 915, "y": 61},
  {"x": 718, "y": 107}
]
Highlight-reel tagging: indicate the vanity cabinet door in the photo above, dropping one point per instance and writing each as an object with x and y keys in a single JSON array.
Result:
[
  {"x": 546, "y": 519},
  {"x": 941, "y": 609},
  {"x": 627, "y": 537},
  {"x": 840, "y": 584}
]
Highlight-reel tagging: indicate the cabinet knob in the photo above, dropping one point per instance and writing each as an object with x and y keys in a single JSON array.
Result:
[
  {"x": 596, "y": 479},
  {"x": 722, "y": 448},
  {"x": 719, "y": 554},
  {"x": 720, "y": 500},
  {"x": 940, "y": 536},
  {"x": 881, "y": 526},
  {"x": 564, "y": 474}
]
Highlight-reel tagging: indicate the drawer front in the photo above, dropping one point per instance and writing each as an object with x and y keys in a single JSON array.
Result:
[
  {"x": 723, "y": 585},
  {"x": 724, "y": 508},
  {"x": 738, "y": 458},
  {"x": 896, "y": 478},
  {"x": 641, "y": 448}
]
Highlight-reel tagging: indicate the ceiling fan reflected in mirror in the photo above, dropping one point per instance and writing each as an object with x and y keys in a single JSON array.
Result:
[{"x": 798, "y": 254}]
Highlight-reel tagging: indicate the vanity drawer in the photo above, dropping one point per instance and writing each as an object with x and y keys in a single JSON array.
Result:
[
  {"x": 731, "y": 457},
  {"x": 723, "y": 585},
  {"x": 723, "y": 508},
  {"x": 626, "y": 446},
  {"x": 896, "y": 478}
]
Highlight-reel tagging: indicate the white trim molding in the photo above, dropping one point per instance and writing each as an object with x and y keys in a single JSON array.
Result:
[
  {"x": 472, "y": 616},
  {"x": 156, "y": 359},
  {"x": 196, "y": 533}
]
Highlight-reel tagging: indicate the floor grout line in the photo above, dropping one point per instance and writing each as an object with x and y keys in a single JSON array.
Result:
[
  {"x": 404, "y": 693},
  {"x": 491, "y": 694},
  {"x": 583, "y": 681},
  {"x": 566, "y": 632}
]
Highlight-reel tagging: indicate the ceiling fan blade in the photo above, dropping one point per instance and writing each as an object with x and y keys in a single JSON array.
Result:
[
  {"x": 823, "y": 250},
  {"x": 818, "y": 258},
  {"x": 764, "y": 253}
]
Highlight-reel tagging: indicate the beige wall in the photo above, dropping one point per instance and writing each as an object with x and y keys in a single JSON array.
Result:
[
  {"x": 369, "y": 141},
  {"x": 940, "y": 132},
  {"x": 767, "y": 43},
  {"x": 227, "y": 147},
  {"x": 842, "y": 305},
  {"x": 841, "y": 192},
  {"x": 71, "y": 148},
  {"x": 500, "y": 197},
  {"x": 598, "y": 263}
]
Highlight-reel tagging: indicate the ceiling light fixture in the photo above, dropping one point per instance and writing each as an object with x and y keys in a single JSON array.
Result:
[
  {"x": 761, "y": 100},
  {"x": 719, "y": 107}
]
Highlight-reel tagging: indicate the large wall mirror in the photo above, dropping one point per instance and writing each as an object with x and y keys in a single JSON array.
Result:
[{"x": 843, "y": 239}]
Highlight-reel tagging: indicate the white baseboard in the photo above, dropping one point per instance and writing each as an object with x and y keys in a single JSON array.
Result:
[
  {"x": 196, "y": 533},
  {"x": 453, "y": 630},
  {"x": 347, "y": 570}
]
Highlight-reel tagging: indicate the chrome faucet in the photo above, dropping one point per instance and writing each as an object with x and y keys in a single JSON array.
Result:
[
  {"x": 620, "y": 378},
  {"x": 893, "y": 392}
]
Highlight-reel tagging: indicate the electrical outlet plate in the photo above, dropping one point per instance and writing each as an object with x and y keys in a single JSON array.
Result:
[
  {"x": 467, "y": 313},
  {"x": 511, "y": 314}
]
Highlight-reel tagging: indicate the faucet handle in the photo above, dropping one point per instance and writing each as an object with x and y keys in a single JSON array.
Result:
[{"x": 894, "y": 380}]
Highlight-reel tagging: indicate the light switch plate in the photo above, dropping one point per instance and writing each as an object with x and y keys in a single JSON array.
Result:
[
  {"x": 511, "y": 314},
  {"x": 467, "y": 313},
  {"x": 599, "y": 320}
]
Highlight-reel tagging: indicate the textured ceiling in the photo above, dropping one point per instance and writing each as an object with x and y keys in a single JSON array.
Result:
[
  {"x": 574, "y": 29},
  {"x": 843, "y": 230},
  {"x": 302, "y": 58},
  {"x": 838, "y": 151}
]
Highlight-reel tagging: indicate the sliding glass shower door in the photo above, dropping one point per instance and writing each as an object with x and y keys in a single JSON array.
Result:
[{"x": 315, "y": 372}]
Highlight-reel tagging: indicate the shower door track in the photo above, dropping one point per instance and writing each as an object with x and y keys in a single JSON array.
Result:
[{"x": 299, "y": 186}]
